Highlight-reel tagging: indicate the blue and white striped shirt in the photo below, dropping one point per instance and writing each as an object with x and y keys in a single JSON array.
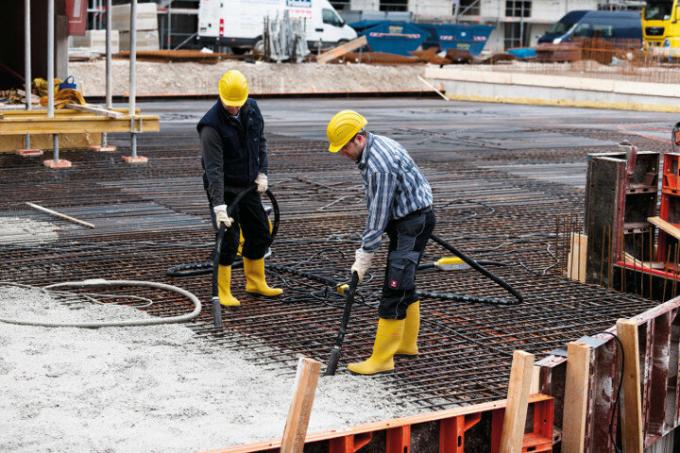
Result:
[{"x": 394, "y": 186}]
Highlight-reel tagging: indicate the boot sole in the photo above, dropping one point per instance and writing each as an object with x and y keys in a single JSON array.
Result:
[
  {"x": 406, "y": 356},
  {"x": 372, "y": 374},
  {"x": 252, "y": 293}
]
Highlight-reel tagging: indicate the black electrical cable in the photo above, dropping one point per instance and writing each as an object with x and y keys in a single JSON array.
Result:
[
  {"x": 618, "y": 391},
  {"x": 206, "y": 267}
]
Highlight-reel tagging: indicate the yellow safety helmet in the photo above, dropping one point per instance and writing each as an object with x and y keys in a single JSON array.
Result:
[
  {"x": 233, "y": 88},
  {"x": 342, "y": 128}
]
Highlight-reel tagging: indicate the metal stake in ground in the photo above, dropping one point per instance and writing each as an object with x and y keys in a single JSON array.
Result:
[
  {"x": 334, "y": 358},
  {"x": 215, "y": 300}
]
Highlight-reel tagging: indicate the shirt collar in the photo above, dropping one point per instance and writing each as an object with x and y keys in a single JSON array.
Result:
[{"x": 363, "y": 160}]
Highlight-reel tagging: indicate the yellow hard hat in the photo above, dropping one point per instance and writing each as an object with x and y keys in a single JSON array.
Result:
[
  {"x": 342, "y": 128},
  {"x": 233, "y": 88}
]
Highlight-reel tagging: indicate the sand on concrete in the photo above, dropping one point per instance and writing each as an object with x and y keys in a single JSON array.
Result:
[
  {"x": 196, "y": 79},
  {"x": 148, "y": 389}
]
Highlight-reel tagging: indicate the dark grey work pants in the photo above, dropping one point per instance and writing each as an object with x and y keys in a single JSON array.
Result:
[{"x": 408, "y": 238}]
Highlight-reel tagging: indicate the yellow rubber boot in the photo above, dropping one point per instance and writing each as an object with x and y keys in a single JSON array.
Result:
[
  {"x": 255, "y": 281},
  {"x": 224, "y": 287},
  {"x": 409, "y": 342},
  {"x": 387, "y": 340}
]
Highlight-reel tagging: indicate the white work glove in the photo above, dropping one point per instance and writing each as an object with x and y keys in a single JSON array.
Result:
[
  {"x": 221, "y": 216},
  {"x": 262, "y": 182},
  {"x": 362, "y": 261}
]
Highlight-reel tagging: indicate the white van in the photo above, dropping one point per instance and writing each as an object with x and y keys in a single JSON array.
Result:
[{"x": 239, "y": 23}]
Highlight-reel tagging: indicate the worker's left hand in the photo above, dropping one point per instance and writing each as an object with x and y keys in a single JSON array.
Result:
[
  {"x": 262, "y": 182},
  {"x": 362, "y": 261}
]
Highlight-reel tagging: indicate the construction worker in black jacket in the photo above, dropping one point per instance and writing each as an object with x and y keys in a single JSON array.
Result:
[{"x": 234, "y": 157}]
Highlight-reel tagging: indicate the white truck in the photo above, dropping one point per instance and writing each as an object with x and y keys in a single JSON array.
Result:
[{"x": 239, "y": 23}]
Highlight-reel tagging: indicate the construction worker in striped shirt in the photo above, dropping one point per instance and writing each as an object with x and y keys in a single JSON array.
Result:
[{"x": 399, "y": 200}]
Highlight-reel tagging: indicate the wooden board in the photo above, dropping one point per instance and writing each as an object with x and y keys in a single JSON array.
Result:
[
  {"x": 341, "y": 50},
  {"x": 631, "y": 407},
  {"x": 11, "y": 143},
  {"x": 515, "y": 415},
  {"x": 665, "y": 226},
  {"x": 576, "y": 260},
  {"x": 576, "y": 397},
  {"x": 300, "y": 410},
  {"x": 76, "y": 124}
]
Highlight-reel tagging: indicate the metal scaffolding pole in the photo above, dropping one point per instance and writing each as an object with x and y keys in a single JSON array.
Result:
[
  {"x": 50, "y": 75},
  {"x": 133, "y": 158},
  {"x": 27, "y": 63},
  {"x": 133, "y": 76},
  {"x": 109, "y": 76}
]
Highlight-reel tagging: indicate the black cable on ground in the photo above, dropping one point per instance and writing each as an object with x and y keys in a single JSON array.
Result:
[
  {"x": 479, "y": 268},
  {"x": 206, "y": 267}
]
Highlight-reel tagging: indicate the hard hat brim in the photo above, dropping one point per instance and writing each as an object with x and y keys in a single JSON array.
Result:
[
  {"x": 335, "y": 148},
  {"x": 232, "y": 103}
]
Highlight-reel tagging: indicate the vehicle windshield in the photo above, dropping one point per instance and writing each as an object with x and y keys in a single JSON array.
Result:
[
  {"x": 566, "y": 23},
  {"x": 658, "y": 9}
]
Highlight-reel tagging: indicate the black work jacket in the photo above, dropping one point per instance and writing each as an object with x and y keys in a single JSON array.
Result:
[{"x": 234, "y": 150}]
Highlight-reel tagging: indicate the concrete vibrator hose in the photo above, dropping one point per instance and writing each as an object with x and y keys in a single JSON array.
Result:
[{"x": 128, "y": 323}]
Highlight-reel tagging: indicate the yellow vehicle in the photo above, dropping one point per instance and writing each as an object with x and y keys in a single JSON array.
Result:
[{"x": 661, "y": 24}]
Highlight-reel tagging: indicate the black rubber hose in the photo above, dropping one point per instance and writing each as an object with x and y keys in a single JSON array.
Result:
[
  {"x": 481, "y": 269},
  {"x": 206, "y": 267}
]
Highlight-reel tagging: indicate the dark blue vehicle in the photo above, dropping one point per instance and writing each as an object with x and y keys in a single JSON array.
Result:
[{"x": 595, "y": 24}]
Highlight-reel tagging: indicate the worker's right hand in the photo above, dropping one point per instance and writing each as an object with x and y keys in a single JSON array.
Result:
[
  {"x": 221, "y": 216},
  {"x": 362, "y": 261}
]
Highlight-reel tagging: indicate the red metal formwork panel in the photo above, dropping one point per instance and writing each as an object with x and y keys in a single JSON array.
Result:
[
  {"x": 76, "y": 10},
  {"x": 659, "y": 340}
]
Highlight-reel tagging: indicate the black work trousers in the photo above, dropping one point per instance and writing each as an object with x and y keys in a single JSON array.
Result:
[
  {"x": 249, "y": 216},
  {"x": 408, "y": 238}
]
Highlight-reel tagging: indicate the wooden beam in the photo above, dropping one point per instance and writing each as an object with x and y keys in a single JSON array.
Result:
[
  {"x": 631, "y": 409},
  {"x": 577, "y": 257},
  {"x": 60, "y": 215},
  {"x": 295, "y": 432},
  {"x": 341, "y": 50},
  {"x": 42, "y": 112},
  {"x": 515, "y": 416},
  {"x": 665, "y": 226},
  {"x": 576, "y": 397},
  {"x": 96, "y": 110},
  {"x": 76, "y": 124}
]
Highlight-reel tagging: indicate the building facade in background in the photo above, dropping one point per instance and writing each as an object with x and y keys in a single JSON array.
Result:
[{"x": 518, "y": 23}]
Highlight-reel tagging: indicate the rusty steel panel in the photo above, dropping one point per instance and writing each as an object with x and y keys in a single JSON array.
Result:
[
  {"x": 606, "y": 376},
  {"x": 659, "y": 376},
  {"x": 659, "y": 340}
]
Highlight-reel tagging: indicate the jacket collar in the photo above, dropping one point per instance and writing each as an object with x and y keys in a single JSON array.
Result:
[{"x": 363, "y": 160}]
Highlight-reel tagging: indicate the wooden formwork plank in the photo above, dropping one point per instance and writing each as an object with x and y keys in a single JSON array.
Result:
[
  {"x": 295, "y": 431},
  {"x": 576, "y": 399},
  {"x": 76, "y": 124},
  {"x": 515, "y": 416},
  {"x": 341, "y": 50},
  {"x": 631, "y": 406}
]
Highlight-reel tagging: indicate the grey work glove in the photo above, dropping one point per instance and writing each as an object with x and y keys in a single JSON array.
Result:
[
  {"x": 221, "y": 216},
  {"x": 362, "y": 261},
  {"x": 262, "y": 182}
]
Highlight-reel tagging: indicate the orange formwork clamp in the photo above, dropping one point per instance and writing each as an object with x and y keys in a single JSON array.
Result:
[
  {"x": 452, "y": 432},
  {"x": 349, "y": 444},
  {"x": 540, "y": 439}
]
